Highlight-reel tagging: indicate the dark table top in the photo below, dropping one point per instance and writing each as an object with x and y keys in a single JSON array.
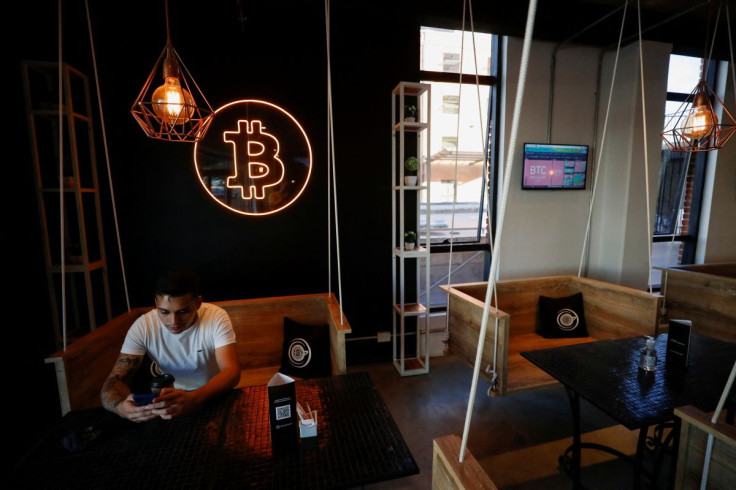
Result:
[
  {"x": 606, "y": 373},
  {"x": 227, "y": 444}
]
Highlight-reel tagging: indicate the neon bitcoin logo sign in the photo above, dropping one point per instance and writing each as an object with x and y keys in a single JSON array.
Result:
[{"x": 255, "y": 158}]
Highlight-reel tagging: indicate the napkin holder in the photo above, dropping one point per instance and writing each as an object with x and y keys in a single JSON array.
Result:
[{"x": 308, "y": 428}]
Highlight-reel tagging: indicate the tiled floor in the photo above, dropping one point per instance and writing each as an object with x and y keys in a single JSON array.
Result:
[{"x": 517, "y": 439}]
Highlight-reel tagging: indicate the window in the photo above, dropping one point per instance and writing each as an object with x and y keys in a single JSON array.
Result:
[
  {"x": 451, "y": 62},
  {"x": 461, "y": 165},
  {"x": 450, "y": 104},
  {"x": 449, "y": 144},
  {"x": 681, "y": 178}
]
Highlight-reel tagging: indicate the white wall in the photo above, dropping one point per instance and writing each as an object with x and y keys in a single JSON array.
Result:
[
  {"x": 544, "y": 230},
  {"x": 621, "y": 231}
]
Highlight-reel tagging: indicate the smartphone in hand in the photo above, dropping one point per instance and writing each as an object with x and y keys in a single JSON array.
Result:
[{"x": 143, "y": 399}]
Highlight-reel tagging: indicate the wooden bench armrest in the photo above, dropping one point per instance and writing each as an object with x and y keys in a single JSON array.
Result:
[
  {"x": 448, "y": 473},
  {"x": 339, "y": 327},
  {"x": 697, "y": 418},
  {"x": 82, "y": 368},
  {"x": 463, "y": 297},
  {"x": 695, "y": 430}
]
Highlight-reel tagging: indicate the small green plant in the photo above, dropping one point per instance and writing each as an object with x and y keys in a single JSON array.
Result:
[
  {"x": 410, "y": 237},
  {"x": 411, "y": 164},
  {"x": 410, "y": 111}
]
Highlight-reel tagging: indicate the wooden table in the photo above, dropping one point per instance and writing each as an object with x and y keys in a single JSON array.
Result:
[
  {"x": 227, "y": 444},
  {"x": 606, "y": 374}
]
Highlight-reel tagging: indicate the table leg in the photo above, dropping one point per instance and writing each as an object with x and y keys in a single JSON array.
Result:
[
  {"x": 574, "y": 398},
  {"x": 639, "y": 457},
  {"x": 675, "y": 451}
]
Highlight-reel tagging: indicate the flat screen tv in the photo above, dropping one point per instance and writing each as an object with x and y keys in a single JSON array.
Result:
[{"x": 554, "y": 166}]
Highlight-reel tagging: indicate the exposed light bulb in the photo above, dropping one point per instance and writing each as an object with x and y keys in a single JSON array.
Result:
[
  {"x": 171, "y": 102},
  {"x": 700, "y": 120}
]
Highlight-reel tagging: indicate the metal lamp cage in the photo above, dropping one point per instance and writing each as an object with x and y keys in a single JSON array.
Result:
[
  {"x": 191, "y": 130},
  {"x": 714, "y": 137}
]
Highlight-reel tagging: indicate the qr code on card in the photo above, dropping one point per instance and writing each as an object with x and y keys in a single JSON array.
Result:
[{"x": 283, "y": 412}]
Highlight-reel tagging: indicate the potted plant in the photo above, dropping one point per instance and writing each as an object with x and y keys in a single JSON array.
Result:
[
  {"x": 410, "y": 240},
  {"x": 411, "y": 165},
  {"x": 410, "y": 113}
]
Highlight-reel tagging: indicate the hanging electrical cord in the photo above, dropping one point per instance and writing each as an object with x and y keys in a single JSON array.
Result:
[
  {"x": 331, "y": 169},
  {"x": 730, "y": 47},
  {"x": 531, "y": 14},
  {"x": 709, "y": 55},
  {"x": 599, "y": 159},
  {"x": 107, "y": 154},
  {"x": 329, "y": 151},
  {"x": 646, "y": 153},
  {"x": 62, "y": 248}
]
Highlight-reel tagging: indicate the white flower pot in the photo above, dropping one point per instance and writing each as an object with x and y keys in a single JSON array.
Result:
[
  {"x": 410, "y": 180},
  {"x": 410, "y": 119},
  {"x": 409, "y": 245}
]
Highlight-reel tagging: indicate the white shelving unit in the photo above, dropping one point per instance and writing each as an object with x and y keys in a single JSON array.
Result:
[{"x": 410, "y": 305}]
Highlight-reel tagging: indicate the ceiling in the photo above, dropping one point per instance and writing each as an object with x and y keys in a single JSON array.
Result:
[{"x": 687, "y": 24}]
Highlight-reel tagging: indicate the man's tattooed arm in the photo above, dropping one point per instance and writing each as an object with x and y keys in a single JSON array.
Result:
[{"x": 115, "y": 389}]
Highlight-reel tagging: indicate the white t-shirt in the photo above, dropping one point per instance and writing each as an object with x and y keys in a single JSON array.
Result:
[{"x": 190, "y": 355}]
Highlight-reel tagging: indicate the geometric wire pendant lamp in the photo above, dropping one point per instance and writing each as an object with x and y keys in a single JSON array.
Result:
[
  {"x": 695, "y": 126},
  {"x": 171, "y": 112}
]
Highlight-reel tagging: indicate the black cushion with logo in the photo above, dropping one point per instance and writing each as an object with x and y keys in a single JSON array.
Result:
[
  {"x": 306, "y": 350},
  {"x": 562, "y": 317}
]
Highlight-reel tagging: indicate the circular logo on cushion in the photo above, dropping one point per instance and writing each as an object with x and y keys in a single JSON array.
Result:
[
  {"x": 299, "y": 353},
  {"x": 567, "y": 320}
]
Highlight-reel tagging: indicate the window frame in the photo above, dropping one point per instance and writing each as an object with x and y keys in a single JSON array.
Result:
[
  {"x": 492, "y": 118},
  {"x": 493, "y": 82}
]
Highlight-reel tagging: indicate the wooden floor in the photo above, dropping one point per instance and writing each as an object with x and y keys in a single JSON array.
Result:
[{"x": 517, "y": 439}]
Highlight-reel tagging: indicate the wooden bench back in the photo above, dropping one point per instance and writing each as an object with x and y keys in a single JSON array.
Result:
[
  {"x": 705, "y": 295},
  {"x": 613, "y": 311},
  {"x": 519, "y": 298},
  {"x": 259, "y": 322}
]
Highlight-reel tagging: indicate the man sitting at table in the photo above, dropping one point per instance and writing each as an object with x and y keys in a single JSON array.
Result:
[{"x": 192, "y": 340}]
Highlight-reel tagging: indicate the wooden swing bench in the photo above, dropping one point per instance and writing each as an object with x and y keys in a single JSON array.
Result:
[
  {"x": 611, "y": 311},
  {"x": 83, "y": 367}
]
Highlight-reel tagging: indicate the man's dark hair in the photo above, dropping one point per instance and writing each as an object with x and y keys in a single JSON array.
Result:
[{"x": 178, "y": 282}]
